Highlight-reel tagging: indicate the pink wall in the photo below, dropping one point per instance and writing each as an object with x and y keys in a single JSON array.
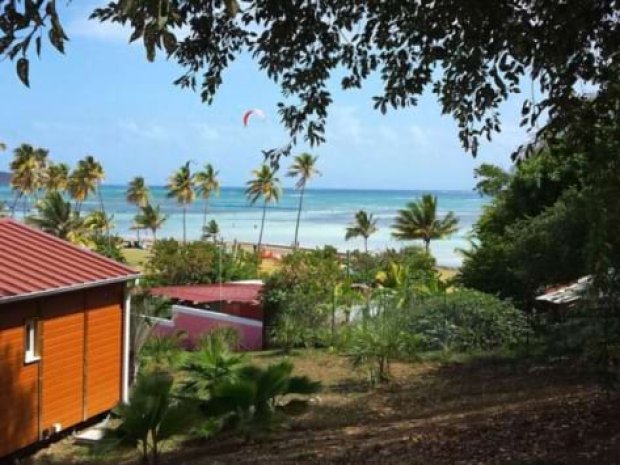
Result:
[{"x": 196, "y": 322}]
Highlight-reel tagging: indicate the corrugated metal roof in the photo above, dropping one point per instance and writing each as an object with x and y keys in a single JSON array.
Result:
[
  {"x": 33, "y": 262},
  {"x": 209, "y": 293}
]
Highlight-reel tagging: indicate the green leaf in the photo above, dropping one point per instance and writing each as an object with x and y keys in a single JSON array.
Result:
[
  {"x": 170, "y": 42},
  {"x": 23, "y": 71}
]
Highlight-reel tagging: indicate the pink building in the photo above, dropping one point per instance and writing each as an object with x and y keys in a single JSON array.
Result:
[{"x": 198, "y": 309}]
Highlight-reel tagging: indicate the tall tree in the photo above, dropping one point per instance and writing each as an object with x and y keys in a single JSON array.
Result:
[
  {"x": 266, "y": 186},
  {"x": 364, "y": 225},
  {"x": 57, "y": 177},
  {"x": 55, "y": 216},
  {"x": 139, "y": 195},
  {"x": 181, "y": 187},
  {"x": 92, "y": 170},
  {"x": 207, "y": 184},
  {"x": 85, "y": 180},
  {"x": 151, "y": 218},
  {"x": 419, "y": 221},
  {"x": 304, "y": 169},
  {"x": 27, "y": 172}
]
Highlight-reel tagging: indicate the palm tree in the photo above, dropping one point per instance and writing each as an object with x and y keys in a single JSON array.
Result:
[
  {"x": 265, "y": 185},
  {"x": 181, "y": 187},
  {"x": 207, "y": 183},
  {"x": 3, "y": 209},
  {"x": 139, "y": 195},
  {"x": 97, "y": 222},
  {"x": 27, "y": 172},
  {"x": 57, "y": 177},
  {"x": 419, "y": 221},
  {"x": 304, "y": 169},
  {"x": 93, "y": 170},
  {"x": 211, "y": 230},
  {"x": 151, "y": 218},
  {"x": 85, "y": 180},
  {"x": 56, "y": 217},
  {"x": 365, "y": 225},
  {"x": 138, "y": 192}
]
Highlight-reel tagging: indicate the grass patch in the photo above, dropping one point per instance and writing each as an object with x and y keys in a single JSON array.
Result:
[{"x": 136, "y": 258}]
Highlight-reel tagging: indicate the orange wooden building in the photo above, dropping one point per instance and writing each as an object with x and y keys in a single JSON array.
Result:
[{"x": 64, "y": 322}]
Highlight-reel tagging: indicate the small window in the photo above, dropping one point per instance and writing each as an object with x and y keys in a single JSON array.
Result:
[{"x": 32, "y": 342}]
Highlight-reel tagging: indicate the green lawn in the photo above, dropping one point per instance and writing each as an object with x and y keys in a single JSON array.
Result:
[{"x": 136, "y": 258}]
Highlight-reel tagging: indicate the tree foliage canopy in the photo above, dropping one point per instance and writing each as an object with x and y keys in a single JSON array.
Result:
[{"x": 473, "y": 55}]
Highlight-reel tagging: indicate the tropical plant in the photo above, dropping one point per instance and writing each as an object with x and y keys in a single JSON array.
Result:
[
  {"x": 465, "y": 320},
  {"x": 207, "y": 184},
  {"x": 57, "y": 177},
  {"x": 212, "y": 230},
  {"x": 181, "y": 187},
  {"x": 27, "y": 172},
  {"x": 265, "y": 185},
  {"x": 4, "y": 209},
  {"x": 376, "y": 342},
  {"x": 365, "y": 225},
  {"x": 304, "y": 169},
  {"x": 56, "y": 217},
  {"x": 211, "y": 364},
  {"x": 163, "y": 352},
  {"x": 138, "y": 194},
  {"x": 85, "y": 180},
  {"x": 150, "y": 217},
  {"x": 151, "y": 416},
  {"x": 173, "y": 263},
  {"x": 251, "y": 402},
  {"x": 97, "y": 222},
  {"x": 419, "y": 221},
  {"x": 146, "y": 308}
]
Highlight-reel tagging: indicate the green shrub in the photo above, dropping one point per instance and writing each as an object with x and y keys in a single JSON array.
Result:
[
  {"x": 172, "y": 262},
  {"x": 466, "y": 320},
  {"x": 254, "y": 401},
  {"x": 151, "y": 416}
]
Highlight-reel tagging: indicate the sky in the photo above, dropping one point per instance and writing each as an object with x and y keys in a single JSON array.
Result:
[{"x": 104, "y": 99}]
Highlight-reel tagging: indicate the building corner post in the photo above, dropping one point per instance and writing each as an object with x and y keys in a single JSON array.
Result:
[{"x": 126, "y": 339}]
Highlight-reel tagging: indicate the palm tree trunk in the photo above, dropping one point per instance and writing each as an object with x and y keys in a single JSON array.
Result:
[
  {"x": 154, "y": 236},
  {"x": 15, "y": 202},
  {"x": 184, "y": 225},
  {"x": 204, "y": 215},
  {"x": 138, "y": 234},
  {"x": 262, "y": 226},
  {"x": 107, "y": 225},
  {"x": 365, "y": 245},
  {"x": 301, "y": 201},
  {"x": 427, "y": 244}
]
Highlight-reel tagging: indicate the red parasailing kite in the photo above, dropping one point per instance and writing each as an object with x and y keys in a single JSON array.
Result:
[{"x": 253, "y": 112}]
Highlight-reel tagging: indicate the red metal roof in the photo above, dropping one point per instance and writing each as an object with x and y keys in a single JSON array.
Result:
[
  {"x": 33, "y": 262},
  {"x": 209, "y": 293}
]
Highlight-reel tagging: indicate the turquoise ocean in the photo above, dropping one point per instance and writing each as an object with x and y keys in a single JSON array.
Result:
[{"x": 326, "y": 214}]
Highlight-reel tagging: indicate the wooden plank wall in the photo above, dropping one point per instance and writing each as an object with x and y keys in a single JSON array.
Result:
[{"x": 79, "y": 374}]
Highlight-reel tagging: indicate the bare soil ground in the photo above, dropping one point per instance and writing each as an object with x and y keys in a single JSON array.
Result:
[{"x": 475, "y": 412}]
